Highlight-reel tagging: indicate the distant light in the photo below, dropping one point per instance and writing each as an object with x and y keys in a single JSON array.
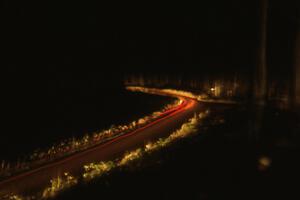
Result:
[
  {"x": 264, "y": 163},
  {"x": 212, "y": 89}
]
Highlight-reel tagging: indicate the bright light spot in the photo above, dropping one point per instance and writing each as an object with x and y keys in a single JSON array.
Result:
[{"x": 264, "y": 163}]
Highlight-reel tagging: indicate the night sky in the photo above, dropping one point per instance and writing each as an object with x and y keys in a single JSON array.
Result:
[
  {"x": 94, "y": 35},
  {"x": 66, "y": 39}
]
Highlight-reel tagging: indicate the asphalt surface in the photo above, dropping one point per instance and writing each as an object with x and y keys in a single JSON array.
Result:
[{"x": 37, "y": 179}]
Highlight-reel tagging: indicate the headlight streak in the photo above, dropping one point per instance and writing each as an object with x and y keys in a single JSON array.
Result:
[
  {"x": 95, "y": 170},
  {"x": 73, "y": 145}
]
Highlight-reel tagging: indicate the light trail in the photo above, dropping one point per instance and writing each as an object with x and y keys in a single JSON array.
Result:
[{"x": 163, "y": 125}]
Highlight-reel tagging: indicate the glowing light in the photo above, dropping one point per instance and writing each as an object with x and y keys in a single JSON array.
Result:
[{"x": 264, "y": 163}]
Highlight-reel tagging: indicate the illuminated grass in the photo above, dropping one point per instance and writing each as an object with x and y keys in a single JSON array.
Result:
[
  {"x": 189, "y": 128},
  {"x": 96, "y": 170},
  {"x": 203, "y": 97},
  {"x": 58, "y": 184},
  {"x": 73, "y": 145},
  {"x": 166, "y": 91},
  {"x": 93, "y": 170},
  {"x": 130, "y": 156},
  {"x": 14, "y": 197}
]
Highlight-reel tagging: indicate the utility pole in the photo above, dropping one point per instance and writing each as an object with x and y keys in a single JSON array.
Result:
[
  {"x": 260, "y": 76},
  {"x": 297, "y": 69}
]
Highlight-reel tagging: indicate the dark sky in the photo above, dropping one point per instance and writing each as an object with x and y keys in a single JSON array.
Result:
[
  {"x": 99, "y": 34},
  {"x": 79, "y": 43},
  {"x": 142, "y": 37}
]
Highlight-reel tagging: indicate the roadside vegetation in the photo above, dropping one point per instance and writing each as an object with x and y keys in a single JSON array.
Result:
[
  {"x": 199, "y": 97},
  {"x": 73, "y": 145},
  {"x": 93, "y": 171}
]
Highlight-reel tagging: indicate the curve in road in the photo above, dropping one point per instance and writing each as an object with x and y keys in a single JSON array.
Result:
[{"x": 37, "y": 179}]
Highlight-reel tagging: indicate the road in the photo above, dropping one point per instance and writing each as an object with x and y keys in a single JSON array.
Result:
[{"x": 37, "y": 179}]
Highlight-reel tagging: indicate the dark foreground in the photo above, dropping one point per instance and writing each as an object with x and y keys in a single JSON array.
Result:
[{"x": 222, "y": 162}]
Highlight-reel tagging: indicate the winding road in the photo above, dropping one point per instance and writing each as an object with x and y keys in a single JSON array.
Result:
[{"x": 37, "y": 179}]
